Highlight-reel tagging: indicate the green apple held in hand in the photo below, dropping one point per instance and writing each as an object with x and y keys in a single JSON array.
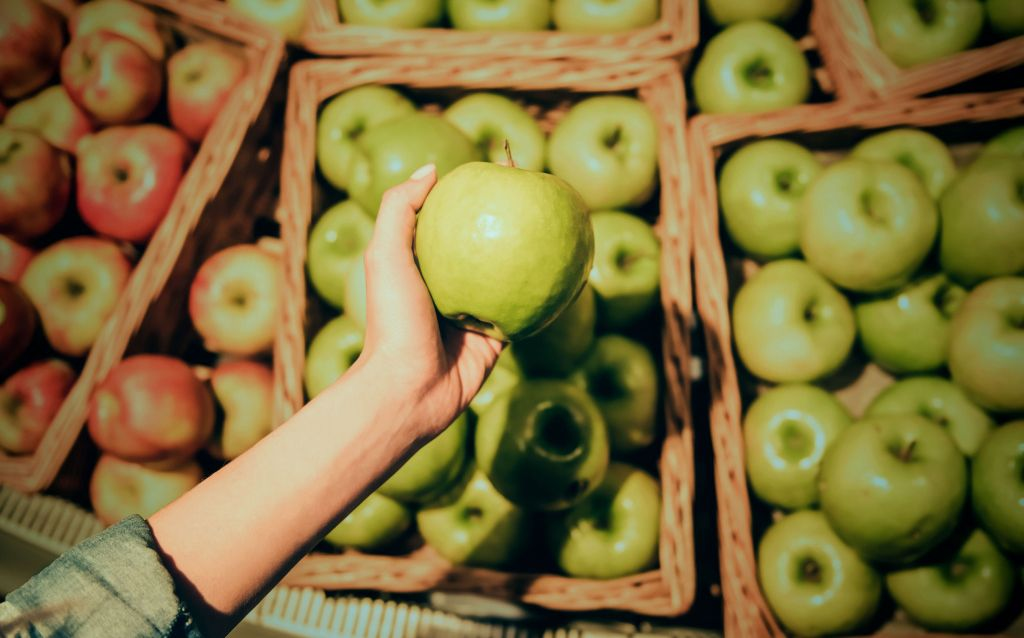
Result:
[
  {"x": 374, "y": 523},
  {"x": 431, "y": 471},
  {"x": 1009, "y": 142},
  {"x": 505, "y": 374},
  {"x": 815, "y": 583},
  {"x": 331, "y": 352},
  {"x": 603, "y": 16},
  {"x": 725, "y": 12},
  {"x": 355, "y": 293},
  {"x": 785, "y": 434},
  {"x": 921, "y": 152},
  {"x": 348, "y": 116},
  {"x": 336, "y": 246},
  {"x": 626, "y": 274},
  {"x": 543, "y": 444},
  {"x": 1006, "y": 17},
  {"x": 968, "y": 589},
  {"x": 913, "y": 32},
  {"x": 790, "y": 324},
  {"x": 621, "y": 377},
  {"x": 614, "y": 531},
  {"x": 490, "y": 119},
  {"x": 500, "y": 15},
  {"x": 607, "y": 148},
  {"x": 893, "y": 487},
  {"x": 908, "y": 331},
  {"x": 997, "y": 486},
  {"x": 397, "y": 14},
  {"x": 502, "y": 250},
  {"x": 555, "y": 350},
  {"x": 867, "y": 226},
  {"x": 751, "y": 67}
]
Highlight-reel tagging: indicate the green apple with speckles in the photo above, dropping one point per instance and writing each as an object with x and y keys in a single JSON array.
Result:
[
  {"x": 626, "y": 274},
  {"x": 431, "y": 470},
  {"x": 500, "y": 15},
  {"x": 913, "y": 32},
  {"x": 1009, "y": 142},
  {"x": 331, "y": 352},
  {"x": 396, "y": 14},
  {"x": 335, "y": 247},
  {"x": 555, "y": 350},
  {"x": 997, "y": 486},
  {"x": 374, "y": 523},
  {"x": 491, "y": 119},
  {"x": 920, "y": 151},
  {"x": 725, "y": 12},
  {"x": 603, "y": 16}
]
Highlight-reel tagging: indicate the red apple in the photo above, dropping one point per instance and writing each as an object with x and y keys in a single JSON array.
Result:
[
  {"x": 200, "y": 78},
  {"x": 29, "y": 400},
  {"x": 151, "y": 408},
  {"x": 120, "y": 488},
  {"x": 52, "y": 115},
  {"x": 14, "y": 258},
  {"x": 244, "y": 389},
  {"x": 17, "y": 323},
  {"x": 128, "y": 19},
  {"x": 30, "y": 41},
  {"x": 111, "y": 78},
  {"x": 35, "y": 183},
  {"x": 127, "y": 178}
]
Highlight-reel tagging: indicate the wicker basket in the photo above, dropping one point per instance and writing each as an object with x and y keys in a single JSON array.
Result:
[
  {"x": 961, "y": 120},
  {"x": 863, "y": 71},
  {"x": 187, "y": 20},
  {"x": 674, "y": 35},
  {"x": 548, "y": 87}
]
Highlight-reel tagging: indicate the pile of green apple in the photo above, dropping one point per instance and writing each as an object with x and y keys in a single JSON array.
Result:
[{"x": 920, "y": 263}]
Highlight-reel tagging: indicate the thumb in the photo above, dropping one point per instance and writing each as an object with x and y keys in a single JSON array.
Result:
[{"x": 396, "y": 219}]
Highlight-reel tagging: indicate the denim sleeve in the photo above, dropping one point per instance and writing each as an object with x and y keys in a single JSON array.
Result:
[{"x": 112, "y": 584}]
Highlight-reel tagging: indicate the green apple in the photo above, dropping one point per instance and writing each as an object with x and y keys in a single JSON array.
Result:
[
  {"x": 759, "y": 191},
  {"x": 555, "y": 350},
  {"x": 918, "y": 150},
  {"x": 983, "y": 220},
  {"x": 433, "y": 469},
  {"x": 331, "y": 352},
  {"x": 907, "y": 330},
  {"x": 614, "y": 531},
  {"x": 387, "y": 154},
  {"x": 500, "y": 15},
  {"x": 790, "y": 324},
  {"x": 785, "y": 433},
  {"x": 374, "y": 523},
  {"x": 286, "y": 17},
  {"x": 622, "y": 378},
  {"x": 997, "y": 486},
  {"x": 607, "y": 148},
  {"x": 355, "y": 293},
  {"x": 543, "y": 444},
  {"x": 986, "y": 345},
  {"x": 968, "y": 589},
  {"x": 866, "y": 225},
  {"x": 503, "y": 250},
  {"x": 603, "y": 16},
  {"x": 815, "y": 583},
  {"x": 749, "y": 67},
  {"x": 473, "y": 524},
  {"x": 913, "y": 32},
  {"x": 397, "y": 14},
  {"x": 505, "y": 374},
  {"x": 335, "y": 247},
  {"x": 726, "y": 12},
  {"x": 1006, "y": 17},
  {"x": 626, "y": 274},
  {"x": 345, "y": 118},
  {"x": 893, "y": 486},
  {"x": 1009, "y": 142},
  {"x": 490, "y": 120}
]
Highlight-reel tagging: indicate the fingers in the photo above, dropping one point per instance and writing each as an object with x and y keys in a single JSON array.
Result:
[{"x": 396, "y": 219}]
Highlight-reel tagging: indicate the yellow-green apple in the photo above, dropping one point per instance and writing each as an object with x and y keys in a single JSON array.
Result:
[
  {"x": 607, "y": 148},
  {"x": 913, "y": 32},
  {"x": 759, "y": 191},
  {"x": 127, "y": 178},
  {"x": 17, "y": 323},
  {"x": 75, "y": 284},
  {"x": 918, "y": 150},
  {"x": 626, "y": 274},
  {"x": 893, "y": 486},
  {"x": 127, "y": 19},
  {"x": 614, "y": 531},
  {"x": 986, "y": 345},
  {"x": 244, "y": 390},
  {"x": 785, "y": 434},
  {"x": 355, "y": 293},
  {"x": 997, "y": 486},
  {"x": 543, "y": 444},
  {"x": 234, "y": 300},
  {"x": 555, "y": 350},
  {"x": 1009, "y": 142},
  {"x": 1006, "y": 17},
  {"x": 473, "y": 524},
  {"x": 286, "y": 17},
  {"x": 151, "y": 407},
  {"x": 31, "y": 37},
  {"x": 14, "y": 258},
  {"x": 790, "y": 324},
  {"x": 622, "y": 379},
  {"x": 815, "y": 583},
  {"x": 603, "y": 16},
  {"x": 373, "y": 524},
  {"x": 491, "y": 120},
  {"x": 335, "y": 246},
  {"x": 867, "y": 225},
  {"x": 505, "y": 374},
  {"x": 500, "y": 15},
  {"x": 200, "y": 79},
  {"x": 941, "y": 401},
  {"x": 29, "y": 400},
  {"x": 963, "y": 591},
  {"x": 725, "y": 12},
  {"x": 331, "y": 352},
  {"x": 749, "y": 67},
  {"x": 120, "y": 488},
  {"x": 111, "y": 78},
  {"x": 397, "y": 14},
  {"x": 431, "y": 471},
  {"x": 53, "y": 116},
  {"x": 983, "y": 220},
  {"x": 907, "y": 331},
  {"x": 345, "y": 118},
  {"x": 503, "y": 250},
  {"x": 35, "y": 184}
]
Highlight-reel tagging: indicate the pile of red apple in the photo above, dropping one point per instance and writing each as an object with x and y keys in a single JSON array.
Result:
[{"x": 917, "y": 264}]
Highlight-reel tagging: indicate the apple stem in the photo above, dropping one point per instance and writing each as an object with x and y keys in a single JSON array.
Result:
[
  {"x": 907, "y": 450},
  {"x": 812, "y": 571},
  {"x": 508, "y": 154}
]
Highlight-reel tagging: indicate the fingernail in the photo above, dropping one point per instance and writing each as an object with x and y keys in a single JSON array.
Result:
[{"x": 423, "y": 171}]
